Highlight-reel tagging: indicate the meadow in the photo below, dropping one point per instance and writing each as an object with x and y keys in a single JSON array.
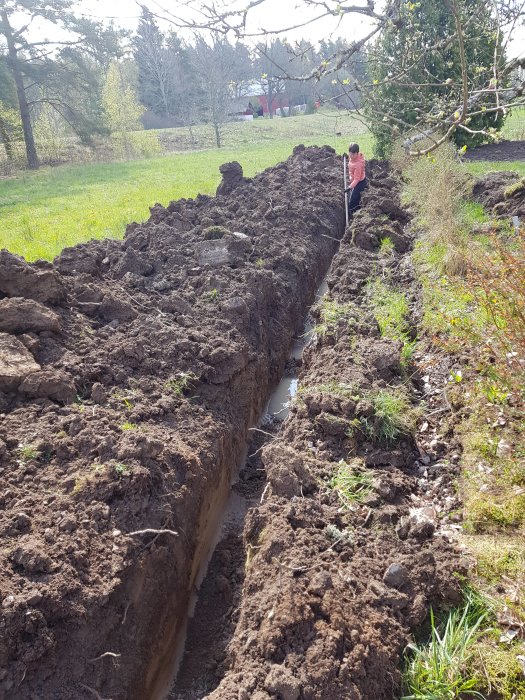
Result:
[{"x": 44, "y": 211}]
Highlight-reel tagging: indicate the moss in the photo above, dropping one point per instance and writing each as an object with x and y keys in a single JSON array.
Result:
[
  {"x": 501, "y": 671},
  {"x": 214, "y": 233},
  {"x": 515, "y": 189}
]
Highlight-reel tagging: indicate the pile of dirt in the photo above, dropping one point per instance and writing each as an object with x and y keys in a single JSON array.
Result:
[
  {"x": 503, "y": 193},
  {"x": 130, "y": 372},
  {"x": 506, "y": 151},
  {"x": 333, "y": 588}
]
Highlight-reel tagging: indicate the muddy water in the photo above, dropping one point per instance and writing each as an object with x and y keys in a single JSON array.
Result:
[{"x": 197, "y": 667}]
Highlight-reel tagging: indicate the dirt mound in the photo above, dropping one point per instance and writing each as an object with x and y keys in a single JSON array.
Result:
[
  {"x": 129, "y": 375},
  {"x": 501, "y": 192},
  {"x": 506, "y": 151},
  {"x": 335, "y": 584}
]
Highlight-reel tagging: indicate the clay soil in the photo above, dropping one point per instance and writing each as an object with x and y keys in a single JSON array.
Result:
[{"x": 131, "y": 373}]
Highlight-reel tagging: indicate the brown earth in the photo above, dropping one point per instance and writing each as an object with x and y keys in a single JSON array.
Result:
[
  {"x": 506, "y": 151},
  {"x": 328, "y": 597},
  {"x": 130, "y": 373}
]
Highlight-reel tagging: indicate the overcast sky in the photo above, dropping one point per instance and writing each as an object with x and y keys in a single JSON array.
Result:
[{"x": 271, "y": 14}]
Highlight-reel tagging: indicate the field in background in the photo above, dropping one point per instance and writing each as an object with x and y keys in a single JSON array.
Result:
[{"x": 42, "y": 212}]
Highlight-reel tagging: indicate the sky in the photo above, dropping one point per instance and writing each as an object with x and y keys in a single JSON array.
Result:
[{"x": 271, "y": 14}]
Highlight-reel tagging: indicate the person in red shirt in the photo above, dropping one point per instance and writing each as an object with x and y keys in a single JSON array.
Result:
[{"x": 357, "y": 176}]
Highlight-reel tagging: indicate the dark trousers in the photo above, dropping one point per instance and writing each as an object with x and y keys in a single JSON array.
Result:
[{"x": 355, "y": 198}]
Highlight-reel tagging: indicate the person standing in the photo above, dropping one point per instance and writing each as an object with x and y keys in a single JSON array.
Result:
[{"x": 357, "y": 176}]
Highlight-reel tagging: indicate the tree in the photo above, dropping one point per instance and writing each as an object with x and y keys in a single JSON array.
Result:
[
  {"x": 44, "y": 64},
  {"x": 435, "y": 124},
  {"x": 123, "y": 112},
  {"x": 417, "y": 71},
  {"x": 155, "y": 66},
  {"x": 214, "y": 63},
  {"x": 10, "y": 127},
  {"x": 271, "y": 63}
]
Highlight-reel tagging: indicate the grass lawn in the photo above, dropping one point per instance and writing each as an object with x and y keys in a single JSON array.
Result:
[
  {"x": 480, "y": 167},
  {"x": 42, "y": 212}
]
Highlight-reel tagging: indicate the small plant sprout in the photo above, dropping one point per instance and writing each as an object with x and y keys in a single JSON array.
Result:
[
  {"x": 351, "y": 483},
  {"x": 386, "y": 247},
  {"x": 121, "y": 470},
  {"x": 260, "y": 262},
  {"x": 27, "y": 452},
  {"x": 213, "y": 295},
  {"x": 456, "y": 376},
  {"x": 180, "y": 384},
  {"x": 331, "y": 313},
  {"x": 128, "y": 426},
  {"x": 335, "y": 535}
]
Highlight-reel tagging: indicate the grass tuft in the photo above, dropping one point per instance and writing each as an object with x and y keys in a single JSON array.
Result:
[{"x": 351, "y": 483}]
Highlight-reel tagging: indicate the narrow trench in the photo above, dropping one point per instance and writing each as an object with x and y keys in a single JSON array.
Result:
[{"x": 213, "y": 611}]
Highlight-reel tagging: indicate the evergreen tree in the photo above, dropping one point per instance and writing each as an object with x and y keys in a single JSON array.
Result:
[
  {"x": 415, "y": 67},
  {"x": 49, "y": 71}
]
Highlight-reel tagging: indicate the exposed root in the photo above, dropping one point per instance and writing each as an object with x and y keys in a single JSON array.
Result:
[
  {"x": 107, "y": 653},
  {"x": 151, "y": 531}
]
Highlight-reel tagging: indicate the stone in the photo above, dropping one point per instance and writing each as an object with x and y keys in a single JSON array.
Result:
[
  {"x": 504, "y": 449},
  {"x": 232, "y": 249},
  {"x": 396, "y": 576},
  {"x": 68, "y": 524},
  {"x": 50, "y": 384},
  {"x": 98, "y": 393},
  {"x": 19, "y": 279},
  {"x": 16, "y": 363},
  {"x": 19, "y": 315}
]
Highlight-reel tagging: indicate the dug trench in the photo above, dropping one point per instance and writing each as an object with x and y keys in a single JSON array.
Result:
[
  {"x": 315, "y": 590},
  {"x": 131, "y": 373}
]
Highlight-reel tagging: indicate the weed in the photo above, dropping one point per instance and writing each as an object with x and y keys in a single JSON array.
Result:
[
  {"x": 330, "y": 314},
  {"x": 391, "y": 312},
  {"x": 214, "y": 233},
  {"x": 439, "y": 670},
  {"x": 351, "y": 483},
  {"x": 393, "y": 415},
  {"x": 386, "y": 246},
  {"x": 213, "y": 295},
  {"x": 128, "y": 426},
  {"x": 260, "y": 262},
  {"x": 121, "y": 470},
  {"x": 27, "y": 452},
  {"x": 501, "y": 672},
  {"x": 180, "y": 384},
  {"x": 334, "y": 534}
]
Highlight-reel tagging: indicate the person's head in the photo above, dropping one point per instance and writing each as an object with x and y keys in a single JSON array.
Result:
[{"x": 353, "y": 150}]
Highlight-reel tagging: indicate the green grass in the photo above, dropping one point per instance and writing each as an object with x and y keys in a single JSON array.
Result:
[
  {"x": 391, "y": 311},
  {"x": 351, "y": 484},
  {"x": 481, "y": 167},
  {"x": 45, "y": 211},
  {"x": 439, "y": 670}
]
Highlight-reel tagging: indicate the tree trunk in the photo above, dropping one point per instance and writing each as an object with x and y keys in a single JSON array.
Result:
[
  {"x": 270, "y": 101},
  {"x": 216, "y": 126},
  {"x": 32, "y": 158},
  {"x": 6, "y": 140}
]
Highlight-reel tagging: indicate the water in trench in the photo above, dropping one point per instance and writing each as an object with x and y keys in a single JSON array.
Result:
[{"x": 213, "y": 610}]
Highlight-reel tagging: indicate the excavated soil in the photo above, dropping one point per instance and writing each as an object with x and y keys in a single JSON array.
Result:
[
  {"x": 506, "y": 151},
  {"x": 130, "y": 373},
  {"x": 132, "y": 376},
  {"x": 331, "y": 595}
]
